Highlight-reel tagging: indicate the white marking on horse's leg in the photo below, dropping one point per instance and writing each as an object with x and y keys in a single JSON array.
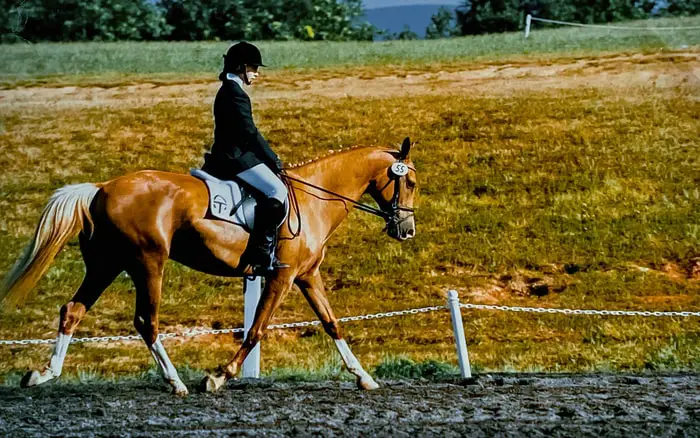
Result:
[
  {"x": 364, "y": 380},
  {"x": 59, "y": 354},
  {"x": 213, "y": 382},
  {"x": 55, "y": 366},
  {"x": 167, "y": 369}
]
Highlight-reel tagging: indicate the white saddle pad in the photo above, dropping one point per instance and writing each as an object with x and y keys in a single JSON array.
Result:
[{"x": 228, "y": 201}]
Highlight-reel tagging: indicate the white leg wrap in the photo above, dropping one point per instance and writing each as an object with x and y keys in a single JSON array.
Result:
[
  {"x": 55, "y": 366},
  {"x": 59, "y": 354},
  {"x": 364, "y": 379},
  {"x": 167, "y": 369}
]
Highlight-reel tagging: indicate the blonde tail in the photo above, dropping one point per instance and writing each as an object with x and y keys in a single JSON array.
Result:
[{"x": 66, "y": 213}]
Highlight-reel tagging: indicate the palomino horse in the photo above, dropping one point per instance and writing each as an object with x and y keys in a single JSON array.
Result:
[{"x": 134, "y": 223}]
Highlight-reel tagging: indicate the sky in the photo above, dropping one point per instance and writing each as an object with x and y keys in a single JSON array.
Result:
[{"x": 373, "y": 4}]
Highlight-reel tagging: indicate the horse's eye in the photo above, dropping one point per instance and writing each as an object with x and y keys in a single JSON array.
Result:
[{"x": 410, "y": 184}]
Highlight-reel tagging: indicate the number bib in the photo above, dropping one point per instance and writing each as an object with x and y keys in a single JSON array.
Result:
[{"x": 399, "y": 169}]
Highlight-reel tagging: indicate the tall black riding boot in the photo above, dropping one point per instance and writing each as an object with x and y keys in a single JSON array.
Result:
[{"x": 263, "y": 242}]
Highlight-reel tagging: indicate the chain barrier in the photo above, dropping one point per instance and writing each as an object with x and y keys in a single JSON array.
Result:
[
  {"x": 193, "y": 333},
  {"x": 577, "y": 311},
  {"x": 289, "y": 325},
  {"x": 605, "y": 26}
]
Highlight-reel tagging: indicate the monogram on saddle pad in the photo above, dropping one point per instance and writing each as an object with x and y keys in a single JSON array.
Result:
[{"x": 228, "y": 200}]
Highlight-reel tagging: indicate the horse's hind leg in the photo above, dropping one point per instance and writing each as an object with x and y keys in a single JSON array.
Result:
[
  {"x": 314, "y": 291},
  {"x": 276, "y": 288},
  {"x": 99, "y": 273},
  {"x": 148, "y": 278}
]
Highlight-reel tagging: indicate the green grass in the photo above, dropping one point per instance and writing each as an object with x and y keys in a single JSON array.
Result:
[
  {"x": 400, "y": 367},
  {"x": 591, "y": 191},
  {"x": 115, "y": 62},
  {"x": 577, "y": 189}
]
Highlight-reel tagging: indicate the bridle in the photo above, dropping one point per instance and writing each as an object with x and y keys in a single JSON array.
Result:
[{"x": 389, "y": 211}]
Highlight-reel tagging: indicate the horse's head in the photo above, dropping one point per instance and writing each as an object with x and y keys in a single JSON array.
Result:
[{"x": 394, "y": 190}]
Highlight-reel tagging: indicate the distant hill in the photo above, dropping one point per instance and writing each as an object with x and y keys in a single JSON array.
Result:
[{"x": 393, "y": 18}]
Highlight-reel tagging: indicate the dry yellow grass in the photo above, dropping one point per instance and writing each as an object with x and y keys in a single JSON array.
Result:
[{"x": 579, "y": 178}]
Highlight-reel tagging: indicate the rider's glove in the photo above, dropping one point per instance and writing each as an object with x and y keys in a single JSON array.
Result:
[{"x": 278, "y": 165}]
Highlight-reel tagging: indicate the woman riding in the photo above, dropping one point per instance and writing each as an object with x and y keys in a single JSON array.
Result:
[{"x": 240, "y": 152}]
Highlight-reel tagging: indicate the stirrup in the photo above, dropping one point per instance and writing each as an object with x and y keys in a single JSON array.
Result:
[{"x": 262, "y": 271}]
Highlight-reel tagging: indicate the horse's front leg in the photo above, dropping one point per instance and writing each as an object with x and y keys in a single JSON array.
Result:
[
  {"x": 276, "y": 289},
  {"x": 314, "y": 291}
]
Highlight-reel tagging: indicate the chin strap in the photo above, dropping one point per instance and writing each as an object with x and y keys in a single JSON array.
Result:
[{"x": 245, "y": 75}]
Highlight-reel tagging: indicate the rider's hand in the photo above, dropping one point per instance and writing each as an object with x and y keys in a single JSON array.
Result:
[{"x": 278, "y": 164}]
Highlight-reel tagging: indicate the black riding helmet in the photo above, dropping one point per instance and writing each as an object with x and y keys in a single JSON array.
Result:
[{"x": 241, "y": 54}]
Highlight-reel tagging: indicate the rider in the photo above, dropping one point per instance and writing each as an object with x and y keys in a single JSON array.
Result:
[{"x": 240, "y": 152}]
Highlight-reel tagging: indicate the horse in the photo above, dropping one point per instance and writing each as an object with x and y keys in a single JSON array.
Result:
[{"x": 138, "y": 221}]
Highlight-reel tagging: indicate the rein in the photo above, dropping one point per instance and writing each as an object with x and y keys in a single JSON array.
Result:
[
  {"x": 356, "y": 204},
  {"x": 390, "y": 217},
  {"x": 389, "y": 211}
]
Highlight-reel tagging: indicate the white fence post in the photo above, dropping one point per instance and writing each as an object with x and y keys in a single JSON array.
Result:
[
  {"x": 458, "y": 328},
  {"x": 528, "y": 22},
  {"x": 251, "y": 291}
]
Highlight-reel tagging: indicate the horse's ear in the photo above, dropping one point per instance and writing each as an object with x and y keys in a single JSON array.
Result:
[{"x": 405, "y": 148}]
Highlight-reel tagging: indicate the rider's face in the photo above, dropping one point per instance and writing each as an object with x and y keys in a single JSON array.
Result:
[{"x": 251, "y": 72}]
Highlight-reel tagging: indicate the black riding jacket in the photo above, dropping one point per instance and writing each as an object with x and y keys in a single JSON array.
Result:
[{"x": 238, "y": 145}]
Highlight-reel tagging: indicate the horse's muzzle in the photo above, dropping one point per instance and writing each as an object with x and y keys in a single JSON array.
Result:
[{"x": 403, "y": 229}]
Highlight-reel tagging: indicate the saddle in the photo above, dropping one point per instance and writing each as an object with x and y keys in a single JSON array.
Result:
[{"x": 228, "y": 200}]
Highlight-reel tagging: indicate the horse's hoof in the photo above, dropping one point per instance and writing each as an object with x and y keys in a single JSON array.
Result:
[
  {"x": 32, "y": 378},
  {"x": 181, "y": 391},
  {"x": 367, "y": 383},
  {"x": 212, "y": 383}
]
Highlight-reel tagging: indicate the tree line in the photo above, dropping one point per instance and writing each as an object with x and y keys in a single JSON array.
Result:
[
  {"x": 182, "y": 20},
  {"x": 340, "y": 20}
]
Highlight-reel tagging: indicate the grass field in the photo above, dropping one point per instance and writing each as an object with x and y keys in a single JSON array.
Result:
[
  {"x": 115, "y": 63},
  {"x": 565, "y": 180}
]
